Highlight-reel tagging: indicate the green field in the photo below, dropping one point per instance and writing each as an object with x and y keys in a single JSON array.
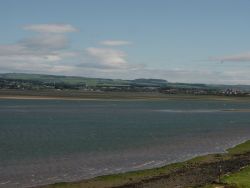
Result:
[{"x": 239, "y": 179}]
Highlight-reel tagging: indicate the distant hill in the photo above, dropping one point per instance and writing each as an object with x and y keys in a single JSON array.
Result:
[
  {"x": 92, "y": 82},
  {"x": 62, "y": 79},
  {"x": 80, "y": 80},
  {"x": 149, "y": 82}
]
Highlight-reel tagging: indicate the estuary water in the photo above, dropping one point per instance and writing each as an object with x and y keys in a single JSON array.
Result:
[{"x": 47, "y": 141}]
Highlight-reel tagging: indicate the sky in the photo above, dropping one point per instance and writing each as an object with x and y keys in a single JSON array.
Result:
[{"x": 195, "y": 41}]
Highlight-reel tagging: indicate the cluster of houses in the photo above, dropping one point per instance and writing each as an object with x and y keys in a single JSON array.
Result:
[{"x": 230, "y": 92}]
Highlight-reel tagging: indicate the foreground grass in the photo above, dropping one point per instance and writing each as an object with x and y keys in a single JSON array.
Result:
[
  {"x": 239, "y": 179},
  {"x": 240, "y": 149}
]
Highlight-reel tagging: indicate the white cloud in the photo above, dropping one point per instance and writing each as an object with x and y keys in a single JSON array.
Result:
[
  {"x": 42, "y": 48},
  {"x": 115, "y": 42},
  {"x": 48, "y": 46},
  {"x": 21, "y": 53},
  {"x": 27, "y": 55},
  {"x": 50, "y": 28},
  {"x": 107, "y": 57},
  {"x": 35, "y": 50},
  {"x": 48, "y": 42},
  {"x": 244, "y": 57},
  {"x": 9, "y": 50}
]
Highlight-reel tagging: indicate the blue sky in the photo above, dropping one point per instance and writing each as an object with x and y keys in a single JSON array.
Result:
[{"x": 181, "y": 41}]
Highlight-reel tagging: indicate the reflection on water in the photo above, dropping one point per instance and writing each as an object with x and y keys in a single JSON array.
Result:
[
  {"x": 191, "y": 111},
  {"x": 202, "y": 110},
  {"x": 49, "y": 141}
]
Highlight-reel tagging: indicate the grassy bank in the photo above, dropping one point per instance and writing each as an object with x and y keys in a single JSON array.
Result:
[
  {"x": 197, "y": 172},
  {"x": 239, "y": 179}
]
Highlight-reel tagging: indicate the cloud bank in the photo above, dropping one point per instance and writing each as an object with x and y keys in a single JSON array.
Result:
[
  {"x": 109, "y": 58},
  {"x": 115, "y": 42},
  {"x": 50, "y": 28},
  {"x": 48, "y": 51},
  {"x": 243, "y": 57}
]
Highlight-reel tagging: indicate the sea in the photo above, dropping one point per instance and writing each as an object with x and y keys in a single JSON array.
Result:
[{"x": 48, "y": 141}]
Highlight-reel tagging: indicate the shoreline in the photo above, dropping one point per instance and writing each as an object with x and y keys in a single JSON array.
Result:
[
  {"x": 110, "y": 96},
  {"x": 43, "y": 98},
  {"x": 195, "y": 172}
]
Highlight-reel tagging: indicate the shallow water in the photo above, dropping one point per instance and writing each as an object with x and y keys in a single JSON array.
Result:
[{"x": 45, "y": 141}]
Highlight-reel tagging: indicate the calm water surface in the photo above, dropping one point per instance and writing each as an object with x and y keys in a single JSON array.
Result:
[{"x": 45, "y": 141}]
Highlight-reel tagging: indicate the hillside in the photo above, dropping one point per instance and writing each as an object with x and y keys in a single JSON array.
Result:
[
  {"x": 40, "y": 81},
  {"x": 96, "y": 81}
]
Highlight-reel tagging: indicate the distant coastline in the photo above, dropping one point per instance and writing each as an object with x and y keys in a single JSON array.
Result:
[{"x": 108, "y": 95}]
